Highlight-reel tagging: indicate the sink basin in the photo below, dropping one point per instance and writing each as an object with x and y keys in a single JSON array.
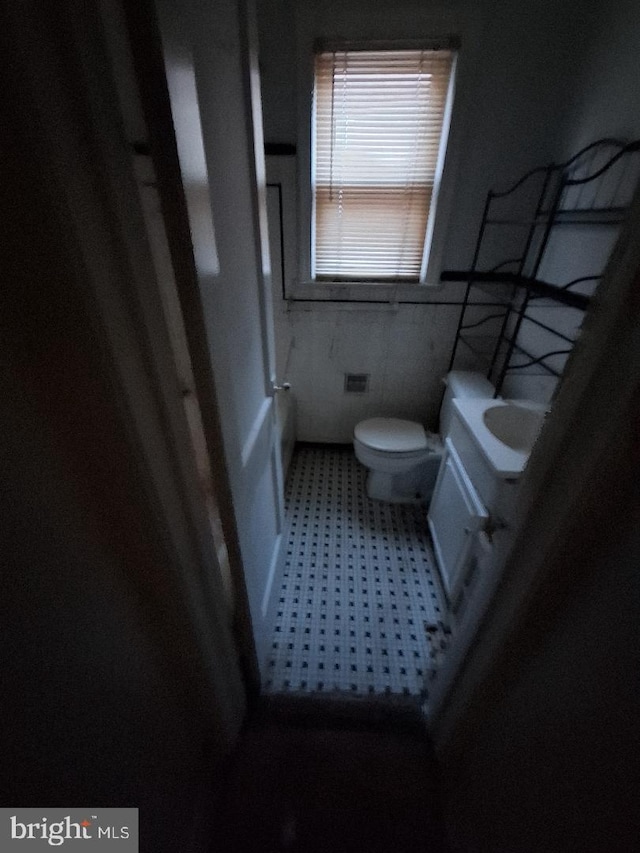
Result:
[
  {"x": 516, "y": 426},
  {"x": 503, "y": 430}
]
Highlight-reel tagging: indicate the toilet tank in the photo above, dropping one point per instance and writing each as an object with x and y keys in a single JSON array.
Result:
[{"x": 461, "y": 383}]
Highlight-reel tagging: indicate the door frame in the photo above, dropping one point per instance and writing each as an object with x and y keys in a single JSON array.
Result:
[
  {"x": 563, "y": 455},
  {"x": 75, "y": 127}
]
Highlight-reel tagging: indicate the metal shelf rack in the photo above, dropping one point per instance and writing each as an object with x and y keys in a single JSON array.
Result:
[{"x": 594, "y": 189}]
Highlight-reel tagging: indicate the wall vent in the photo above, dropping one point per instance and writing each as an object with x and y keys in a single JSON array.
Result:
[{"x": 356, "y": 383}]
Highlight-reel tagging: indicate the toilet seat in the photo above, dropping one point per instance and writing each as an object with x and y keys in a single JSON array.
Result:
[{"x": 392, "y": 435}]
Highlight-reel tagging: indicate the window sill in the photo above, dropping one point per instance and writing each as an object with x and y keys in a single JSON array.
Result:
[{"x": 379, "y": 292}]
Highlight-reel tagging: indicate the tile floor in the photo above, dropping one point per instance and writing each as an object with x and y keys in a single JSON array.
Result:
[{"x": 358, "y": 587}]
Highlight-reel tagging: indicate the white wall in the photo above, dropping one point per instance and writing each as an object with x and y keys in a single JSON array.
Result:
[
  {"x": 606, "y": 100},
  {"x": 516, "y": 72}
]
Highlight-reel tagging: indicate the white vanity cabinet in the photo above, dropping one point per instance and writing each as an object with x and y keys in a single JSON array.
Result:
[{"x": 456, "y": 515}]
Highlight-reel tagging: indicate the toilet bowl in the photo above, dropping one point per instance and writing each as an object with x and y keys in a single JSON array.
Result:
[
  {"x": 401, "y": 456},
  {"x": 391, "y": 444}
]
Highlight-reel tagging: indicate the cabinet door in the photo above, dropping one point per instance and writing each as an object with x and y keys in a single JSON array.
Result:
[{"x": 456, "y": 514}]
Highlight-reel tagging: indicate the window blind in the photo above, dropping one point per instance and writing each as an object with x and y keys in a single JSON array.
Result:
[{"x": 378, "y": 123}]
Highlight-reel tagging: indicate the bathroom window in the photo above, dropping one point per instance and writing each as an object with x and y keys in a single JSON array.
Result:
[{"x": 379, "y": 133}]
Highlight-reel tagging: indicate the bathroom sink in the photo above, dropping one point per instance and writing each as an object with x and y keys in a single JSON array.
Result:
[
  {"x": 503, "y": 430},
  {"x": 516, "y": 426}
]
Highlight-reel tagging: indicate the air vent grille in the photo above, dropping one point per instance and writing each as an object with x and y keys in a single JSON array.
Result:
[{"x": 356, "y": 383}]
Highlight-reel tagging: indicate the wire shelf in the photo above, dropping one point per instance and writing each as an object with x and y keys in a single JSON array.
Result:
[{"x": 593, "y": 188}]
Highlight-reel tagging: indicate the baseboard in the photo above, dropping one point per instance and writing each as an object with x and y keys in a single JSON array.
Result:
[{"x": 325, "y": 445}]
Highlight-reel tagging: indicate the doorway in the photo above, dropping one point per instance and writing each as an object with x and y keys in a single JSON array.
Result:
[{"x": 263, "y": 580}]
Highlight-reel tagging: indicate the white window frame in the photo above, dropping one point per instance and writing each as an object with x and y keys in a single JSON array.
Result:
[{"x": 439, "y": 214}]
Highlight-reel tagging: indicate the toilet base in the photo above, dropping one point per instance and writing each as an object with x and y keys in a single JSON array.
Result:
[{"x": 408, "y": 487}]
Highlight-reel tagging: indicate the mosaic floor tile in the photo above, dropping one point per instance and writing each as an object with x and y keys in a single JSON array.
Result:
[{"x": 359, "y": 584}]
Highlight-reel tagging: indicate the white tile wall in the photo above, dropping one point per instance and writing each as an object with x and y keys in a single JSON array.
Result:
[{"x": 405, "y": 350}]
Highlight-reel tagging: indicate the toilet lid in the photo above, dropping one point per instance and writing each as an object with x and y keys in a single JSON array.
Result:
[{"x": 391, "y": 434}]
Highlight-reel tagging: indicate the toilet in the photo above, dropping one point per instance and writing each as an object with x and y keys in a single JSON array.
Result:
[{"x": 402, "y": 457}]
